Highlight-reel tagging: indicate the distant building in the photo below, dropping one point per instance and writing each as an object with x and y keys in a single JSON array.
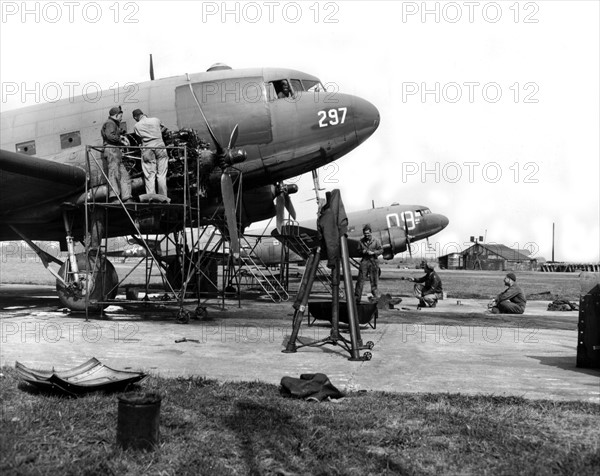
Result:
[{"x": 490, "y": 257}]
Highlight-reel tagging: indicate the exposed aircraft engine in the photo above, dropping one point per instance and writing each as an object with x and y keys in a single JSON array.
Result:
[{"x": 200, "y": 161}]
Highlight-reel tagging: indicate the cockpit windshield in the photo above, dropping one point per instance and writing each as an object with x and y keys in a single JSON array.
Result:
[{"x": 313, "y": 85}]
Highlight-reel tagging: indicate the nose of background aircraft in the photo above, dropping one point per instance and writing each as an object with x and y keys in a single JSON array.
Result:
[
  {"x": 366, "y": 119},
  {"x": 440, "y": 220}
]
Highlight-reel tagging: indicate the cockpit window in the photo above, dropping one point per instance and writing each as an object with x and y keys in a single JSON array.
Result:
[
  {"x": 312, "y": 85},
  {"x": 279, "y": 89},
  {"x": 296, "y": 85}
]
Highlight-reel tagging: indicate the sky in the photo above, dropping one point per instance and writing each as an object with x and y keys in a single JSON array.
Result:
[{"x": 490, "y": 111}]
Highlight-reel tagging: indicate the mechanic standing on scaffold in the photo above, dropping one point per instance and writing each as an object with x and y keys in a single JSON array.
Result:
[
  {"x": 154, "y": 161},
  {"x": 369, "y": 248},
  {"x": 117, "y": 173}
]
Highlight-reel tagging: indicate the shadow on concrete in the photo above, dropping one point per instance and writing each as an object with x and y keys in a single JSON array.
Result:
[{"x": 565, "y": 363}]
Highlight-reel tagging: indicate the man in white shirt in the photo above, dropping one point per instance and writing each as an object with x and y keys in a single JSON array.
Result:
[{"x": 154, "y": 161}]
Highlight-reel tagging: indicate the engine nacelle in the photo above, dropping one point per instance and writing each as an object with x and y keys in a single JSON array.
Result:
[
  {"x": 393, "y": 241},
  {"x": 257, "y": 204}
]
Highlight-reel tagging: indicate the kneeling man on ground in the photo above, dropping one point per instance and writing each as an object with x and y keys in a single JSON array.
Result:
[
  {"x": 428, "y": 288},
  {"x": 512, "y": 300}
]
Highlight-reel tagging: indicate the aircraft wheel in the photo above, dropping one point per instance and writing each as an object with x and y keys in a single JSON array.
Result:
[
  {"x": 201, "y": 312},
  {"x": 370, "y": 344},
  {"x": 367, "y": 355},
  {"x": 97, "y": 275},
  {"x": 183, "y": 316}
]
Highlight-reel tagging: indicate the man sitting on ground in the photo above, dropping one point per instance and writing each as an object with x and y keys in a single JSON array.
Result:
[{"x": 511, "y": 301}]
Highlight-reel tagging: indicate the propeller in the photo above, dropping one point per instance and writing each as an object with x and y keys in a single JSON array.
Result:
[
  {"x": 284, "y": 202},
  {"x": 408, "y": 237},
  {"x": 224, "y": 158}
]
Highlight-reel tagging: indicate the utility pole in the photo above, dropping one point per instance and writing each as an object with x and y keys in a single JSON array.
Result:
[{"x": 553, "y": 242}]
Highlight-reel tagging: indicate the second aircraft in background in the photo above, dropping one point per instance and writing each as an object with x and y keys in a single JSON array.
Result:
[{"x": 396, "y": 226}]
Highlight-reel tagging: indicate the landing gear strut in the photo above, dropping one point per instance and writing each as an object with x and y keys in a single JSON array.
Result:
[
  {"x": 96, "y": 280},
  {"x": 85, "y": 279}
]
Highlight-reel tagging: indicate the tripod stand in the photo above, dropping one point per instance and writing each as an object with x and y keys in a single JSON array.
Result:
[{"x": 352, "y": 346}]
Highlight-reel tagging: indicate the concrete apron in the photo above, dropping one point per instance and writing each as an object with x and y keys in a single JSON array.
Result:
[{"x": 455, "y": 347}]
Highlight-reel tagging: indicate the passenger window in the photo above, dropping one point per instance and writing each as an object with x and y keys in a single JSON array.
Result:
[
  {"x": 26, "y": 147},
  {"x": 71, "y": 139}
]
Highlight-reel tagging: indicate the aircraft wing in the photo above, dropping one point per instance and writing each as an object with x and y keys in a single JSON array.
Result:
[{"x": 27, "y": 181}]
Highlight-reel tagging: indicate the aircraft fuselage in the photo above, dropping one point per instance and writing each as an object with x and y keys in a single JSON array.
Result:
[{"x": 283, "y": 137}]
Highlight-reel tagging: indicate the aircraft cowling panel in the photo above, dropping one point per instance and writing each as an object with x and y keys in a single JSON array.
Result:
[
  {"x": 257, "y": 204},
  {"x": 222, "y": 101}
]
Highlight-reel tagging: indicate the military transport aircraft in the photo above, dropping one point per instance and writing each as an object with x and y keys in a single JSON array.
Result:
[
  {"x": 254, "y": 138},
  {"x": 396, "y": 226}
]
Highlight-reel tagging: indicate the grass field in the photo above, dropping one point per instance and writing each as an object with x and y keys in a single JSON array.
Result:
[
  {"x": 216, "y": 428},
  {"x": 458, "y": 284}
]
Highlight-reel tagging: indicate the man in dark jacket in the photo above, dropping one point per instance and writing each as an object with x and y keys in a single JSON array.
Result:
[
  {"x": 428, "y": 288},
  {"x": 512, "y": 300},
  {"x": 117, "y": 173},
  {"x": 369, "y": 248}
]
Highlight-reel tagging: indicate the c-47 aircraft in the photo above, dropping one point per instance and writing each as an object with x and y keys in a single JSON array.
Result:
[
  {"x": 396, "y": 227},
  {"x": 252, "y": 130}
]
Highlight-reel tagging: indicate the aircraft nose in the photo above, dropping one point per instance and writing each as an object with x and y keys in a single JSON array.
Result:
[
  {"x": 366, "y": 119},
  {"x": 443, "y": 221}
]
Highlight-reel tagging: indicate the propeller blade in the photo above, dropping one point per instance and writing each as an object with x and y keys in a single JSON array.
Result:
[
  {"x": 233, "y": 137},
  {"x": 279, "y": 211},
  {"x": 407, "y": 236},
  {"x": 230, "y": 215},
  {"x": 289, "y": 206},
  {"x": 210, "y": 131}
]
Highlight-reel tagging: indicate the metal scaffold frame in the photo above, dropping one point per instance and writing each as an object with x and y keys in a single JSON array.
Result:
[{"x": 175, "y": 220}]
